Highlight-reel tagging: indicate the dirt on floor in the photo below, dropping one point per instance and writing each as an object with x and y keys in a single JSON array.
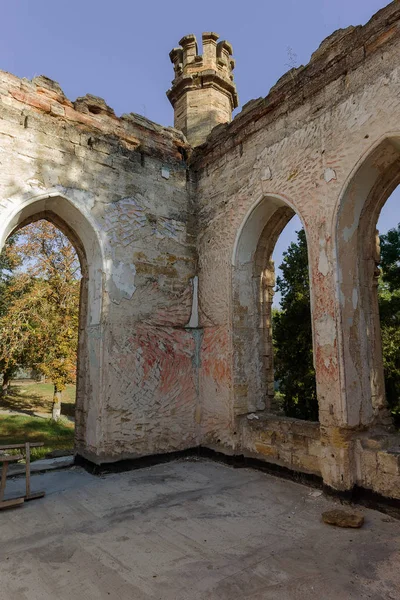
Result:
[{"x": 190, "y": 530}]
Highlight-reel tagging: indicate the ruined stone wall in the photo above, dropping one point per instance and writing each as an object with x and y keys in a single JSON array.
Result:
[
  {"x": 286, "y": 442},
  {"x": 154, "y": 221},
  {"x": 299, "y": 147},
  {"x": 118, "y": 187}
]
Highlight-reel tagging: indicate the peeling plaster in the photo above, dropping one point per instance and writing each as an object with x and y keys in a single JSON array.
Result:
[
  {"x": 325, "y": 329},
  {"x": 323, "y": 265},
  {"x": 348, "y": 232},
  {"x": 329, "y": 174},
  {"x": 123, "y": 278},
  {"x": 82, "y": 198},
  {"x": 267, "y": 174}
]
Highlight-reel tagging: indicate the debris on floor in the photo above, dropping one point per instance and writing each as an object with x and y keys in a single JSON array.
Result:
[{"x": 343, "y": 518}]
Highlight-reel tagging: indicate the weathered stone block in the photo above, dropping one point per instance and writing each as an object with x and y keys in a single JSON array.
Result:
[
  {"x": 389, "y": 463},
  {"x": 342, "y": 518}
]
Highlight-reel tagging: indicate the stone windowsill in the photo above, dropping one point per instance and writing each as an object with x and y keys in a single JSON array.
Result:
[{"x": 264, "y": 421}]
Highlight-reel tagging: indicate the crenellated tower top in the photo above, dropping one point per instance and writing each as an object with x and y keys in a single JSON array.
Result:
[{"x": 203, "y": 93}]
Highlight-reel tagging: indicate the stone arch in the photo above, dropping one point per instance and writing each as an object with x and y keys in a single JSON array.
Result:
[
  {"x": 253, "y": 280},
  {"x": 63, "y": 212},
  {"x": 357, "y": 255}
]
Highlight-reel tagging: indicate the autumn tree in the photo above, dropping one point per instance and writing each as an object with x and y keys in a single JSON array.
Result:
[
  {"x": 24, "y": 300},
  {"x": 9, "y": 261},
  {"x": 41, "y": 322}
]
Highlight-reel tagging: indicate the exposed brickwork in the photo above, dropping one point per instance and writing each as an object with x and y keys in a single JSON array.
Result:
[
  {"x": 286, "y": 442},
  {"x": 162, "y": 368},
  {"x": 120, "y": 186},
  {"x": 339, "y": 56},
  {"x": 203, "y": 93},
  {"x": 299, "y": 148}
]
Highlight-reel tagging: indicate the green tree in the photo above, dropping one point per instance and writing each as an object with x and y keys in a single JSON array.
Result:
[
  {"x": 389, "y": 312},
  {"x": 292, "y": 335}
]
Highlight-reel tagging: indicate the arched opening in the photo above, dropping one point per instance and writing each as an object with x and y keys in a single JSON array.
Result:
[
  {"x": 294, "y": 373},
  {"x": 388, "y": 275},
  {"x": 77, "y": 226},
  {"x": 254, "y": 281},
  {"x": 39, "y": 327},
  {"x": 358, "y": 258}
]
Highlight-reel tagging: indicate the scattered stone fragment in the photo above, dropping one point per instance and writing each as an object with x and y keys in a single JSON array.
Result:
[
  {"x": 315, "y": 494},
  {"x": 388, "y": 520},
  {"x": 343, "y": 518}
]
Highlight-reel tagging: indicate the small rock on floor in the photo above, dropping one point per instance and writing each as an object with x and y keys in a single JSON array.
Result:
[{"x": 343, "y": 518}]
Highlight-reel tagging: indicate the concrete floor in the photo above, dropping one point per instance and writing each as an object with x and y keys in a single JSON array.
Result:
[{"x": 190, "y": 530}]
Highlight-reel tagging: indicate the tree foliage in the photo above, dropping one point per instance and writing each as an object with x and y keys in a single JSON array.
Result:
[
  {"x": 292, "y": 335},
  {"x": 39, "y": 322},
  {"x": 9, "y": 261},
  {"x": 389, "y": 312}
]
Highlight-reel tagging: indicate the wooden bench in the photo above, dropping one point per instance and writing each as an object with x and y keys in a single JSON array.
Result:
[{"x": 6, "y": 459}]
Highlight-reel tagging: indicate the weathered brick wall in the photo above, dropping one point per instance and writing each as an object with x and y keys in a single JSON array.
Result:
[
  {"x": 120, "y": 186},
  {"x": 325, "y": 143},
  {"x": 286, "y": 442},
  {"x": 299, "y": 147}
]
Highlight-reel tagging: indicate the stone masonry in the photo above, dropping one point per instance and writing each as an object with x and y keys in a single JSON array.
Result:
[
  {"x": 175, "y": 235},
  {"x": 203, "y": 93}
]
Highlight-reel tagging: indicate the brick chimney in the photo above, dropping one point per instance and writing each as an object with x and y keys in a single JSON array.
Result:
[{"x": 203, "y": 93}]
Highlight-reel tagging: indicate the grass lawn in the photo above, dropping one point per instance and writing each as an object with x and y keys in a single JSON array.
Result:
[
  {"x": 28, "y": 397},
  {"x": 16, "y": 429}
]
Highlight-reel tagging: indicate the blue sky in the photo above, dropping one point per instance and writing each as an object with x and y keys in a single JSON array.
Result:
[
  {"x": 119, "y": 50},
  {"x": 389, "y": 218}
]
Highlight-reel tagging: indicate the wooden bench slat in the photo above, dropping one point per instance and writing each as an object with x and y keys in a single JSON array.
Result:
[
  {"x": 10, "y": 458},
  {"x": 16, "y": 446},
  {"x": 34, "y": 495},
  {"x": 5, "y": 459},
  {"x": 12, "y": 502}
]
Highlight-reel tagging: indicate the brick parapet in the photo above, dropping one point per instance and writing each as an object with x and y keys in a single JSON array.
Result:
[
  {"x": 339, "y": 54},
  {"x": 91, "y": 114}
]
